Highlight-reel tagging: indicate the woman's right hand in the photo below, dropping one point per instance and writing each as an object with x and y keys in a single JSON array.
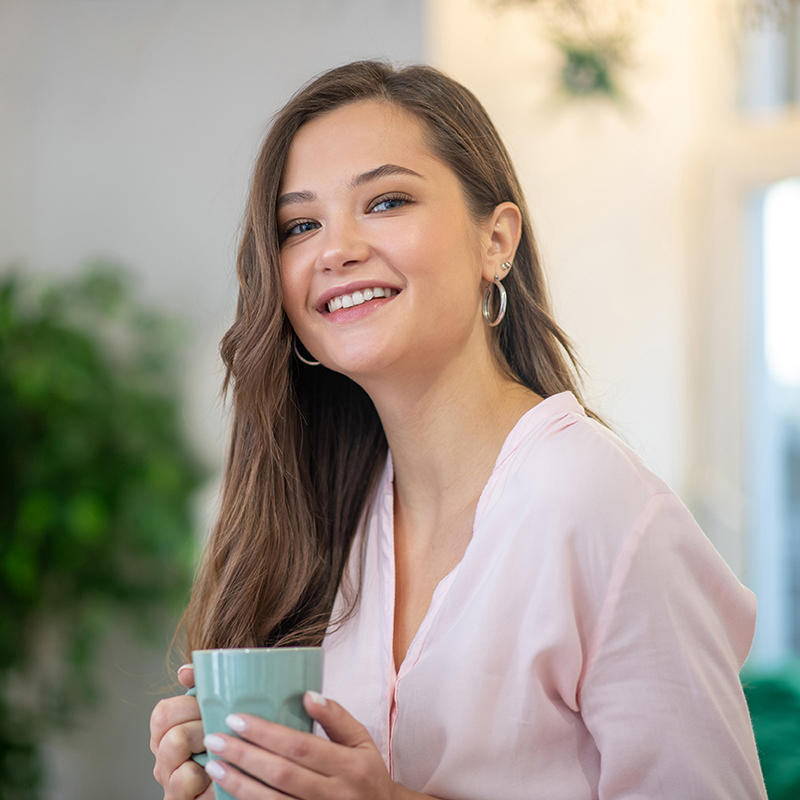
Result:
[{"x": 175, "y": 733}]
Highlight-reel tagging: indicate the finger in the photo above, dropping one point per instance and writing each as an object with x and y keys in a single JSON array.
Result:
[
  {"x": 340, "y": 726},
  {"x": 306, "y": 749},
  {"x": 239, "y": 785},
  {"x": 171, "y": 712},
  {"x": 176, "y": 747},
  {"x": 188, "y": 782},
  {"x": 276, "y": 771},
  {"x": 186, "y": 675}
]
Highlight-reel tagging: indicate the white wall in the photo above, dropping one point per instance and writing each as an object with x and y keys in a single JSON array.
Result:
[{"x": 127, "y": 129}]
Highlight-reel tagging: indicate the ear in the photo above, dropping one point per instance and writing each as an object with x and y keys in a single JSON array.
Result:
[{"x": 503, "y": 231}]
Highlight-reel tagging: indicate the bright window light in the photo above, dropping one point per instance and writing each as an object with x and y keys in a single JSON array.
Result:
[{"x": 782, "y": 281}]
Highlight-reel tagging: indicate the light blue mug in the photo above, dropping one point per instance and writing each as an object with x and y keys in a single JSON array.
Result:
[{"x": 267, "y": 682}]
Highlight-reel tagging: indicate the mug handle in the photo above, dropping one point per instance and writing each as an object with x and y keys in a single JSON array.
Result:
[{"x": 198, "y": 758}]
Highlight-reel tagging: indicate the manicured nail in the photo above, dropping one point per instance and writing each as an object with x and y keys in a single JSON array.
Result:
[
  {"x": 236, "y": 723},
  {"x": 216, "y": 770},
  {"x": 214, "y": 743},
  {"x": 185, "y": 666},
  {"x": 317, "y": 698}
]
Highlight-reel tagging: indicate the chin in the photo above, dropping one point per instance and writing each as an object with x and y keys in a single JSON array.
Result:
[
  {"x": 358, "y": 368},
  {"x": 361, "y": 366},
  {"x": 368, "y": 356}
]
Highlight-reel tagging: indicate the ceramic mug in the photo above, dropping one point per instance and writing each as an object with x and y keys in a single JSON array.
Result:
[{"x": 267, "y": 682}]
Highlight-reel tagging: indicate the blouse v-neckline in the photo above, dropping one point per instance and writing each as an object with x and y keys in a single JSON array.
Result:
[{"x": 387, "y": 551}]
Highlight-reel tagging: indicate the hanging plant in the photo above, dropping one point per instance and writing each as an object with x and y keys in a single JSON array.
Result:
[
  {"x": 96, "y": 480},
  {"x": 591, "y": 68},
  {"x": 595, "y": 40}
]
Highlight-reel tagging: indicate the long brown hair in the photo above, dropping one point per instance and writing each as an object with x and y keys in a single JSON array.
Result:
[{"x": 307, "y": 445}]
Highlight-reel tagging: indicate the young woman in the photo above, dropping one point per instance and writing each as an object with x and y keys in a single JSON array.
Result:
[{"x": 512, "y": 605}]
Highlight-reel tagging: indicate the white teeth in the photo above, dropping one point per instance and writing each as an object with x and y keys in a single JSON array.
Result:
[{"x": 358, "y": 298}]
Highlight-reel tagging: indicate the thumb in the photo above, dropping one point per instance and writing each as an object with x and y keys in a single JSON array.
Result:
[
  {"x": 186, "y": 675},
  {"x": 341, "y": 727}
]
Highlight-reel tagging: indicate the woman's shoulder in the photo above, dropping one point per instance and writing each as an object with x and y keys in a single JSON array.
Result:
[
  {"x": 558, "y": 446},
  {"x": 569, "y": 490},
  {"x": 566, "y": 483}
]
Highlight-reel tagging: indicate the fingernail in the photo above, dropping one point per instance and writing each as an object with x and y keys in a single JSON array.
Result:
[
  {"x": 216, "y": 770},
  {"x": 185, "y": 666},
  {"x": 214, "y": 743},
  {"x": 236, "y": 723},
  {"x": 317, "y": 698}
]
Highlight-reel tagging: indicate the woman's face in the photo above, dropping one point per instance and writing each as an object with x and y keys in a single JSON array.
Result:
[{"x": 381, "y": 261}]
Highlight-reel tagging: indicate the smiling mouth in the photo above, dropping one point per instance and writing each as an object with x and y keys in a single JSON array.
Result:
[{"x": 358, "y": 298}]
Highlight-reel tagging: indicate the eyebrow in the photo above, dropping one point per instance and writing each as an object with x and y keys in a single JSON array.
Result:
[
  {"x": 359, "y": 180},
  {"x": 381, "y": 172},
  {"x": 294, "y": 197}
]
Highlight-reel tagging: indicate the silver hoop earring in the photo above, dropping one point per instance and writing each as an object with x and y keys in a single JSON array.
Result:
[
  {"x": 487, "y": 299},
  {"x": 297, "y": 353}
]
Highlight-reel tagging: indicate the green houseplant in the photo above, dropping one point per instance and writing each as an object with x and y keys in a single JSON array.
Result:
[
  {"x": 774, "y": 700},
  {"x": 96, "y": 480}
]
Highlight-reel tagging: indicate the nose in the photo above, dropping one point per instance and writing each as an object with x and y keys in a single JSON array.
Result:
[{"x": 343, "y": 245}]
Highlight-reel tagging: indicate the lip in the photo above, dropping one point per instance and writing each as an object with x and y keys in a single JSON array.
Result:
[{"x": 349, "y": 288}]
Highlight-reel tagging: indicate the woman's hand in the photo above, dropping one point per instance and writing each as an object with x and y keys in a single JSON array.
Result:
[
  {"x": 175, "y": 733},
  {"x": 301, "y": 765}
]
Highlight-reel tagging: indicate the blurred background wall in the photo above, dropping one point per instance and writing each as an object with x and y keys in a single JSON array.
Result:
[{"x": 128, "y": 129}]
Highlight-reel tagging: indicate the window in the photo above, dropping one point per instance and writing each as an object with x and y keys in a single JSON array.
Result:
[{"x": 774, "y": 452}]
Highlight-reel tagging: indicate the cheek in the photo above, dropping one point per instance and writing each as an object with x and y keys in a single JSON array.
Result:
[
  {"x": 292, "y": 294},
  {"x": 450, "y": 258},
  {"x": 438, "y": 252}
]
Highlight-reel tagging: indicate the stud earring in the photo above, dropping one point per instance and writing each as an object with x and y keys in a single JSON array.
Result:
[{"x": 506, "y": 265}]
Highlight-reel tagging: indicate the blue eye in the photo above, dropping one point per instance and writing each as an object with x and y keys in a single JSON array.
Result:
[
  {"x": 298, "y": 228},
  {"x": 390, "y": 202}
]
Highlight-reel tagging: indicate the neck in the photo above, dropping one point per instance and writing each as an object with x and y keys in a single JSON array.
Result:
[{"x": 445, "y": 430}]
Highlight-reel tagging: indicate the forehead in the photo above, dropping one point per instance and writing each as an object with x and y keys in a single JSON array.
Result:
[{"x": 352, "y": 139}]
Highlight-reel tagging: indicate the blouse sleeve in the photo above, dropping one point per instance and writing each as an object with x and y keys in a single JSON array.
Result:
[{"x": 660, "y": 690}]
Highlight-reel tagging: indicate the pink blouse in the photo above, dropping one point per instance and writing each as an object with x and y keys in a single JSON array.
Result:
[{"x": 587, "y": 646}]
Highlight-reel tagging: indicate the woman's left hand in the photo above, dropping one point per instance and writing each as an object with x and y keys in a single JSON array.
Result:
[{"x": 301, "y": 765}]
